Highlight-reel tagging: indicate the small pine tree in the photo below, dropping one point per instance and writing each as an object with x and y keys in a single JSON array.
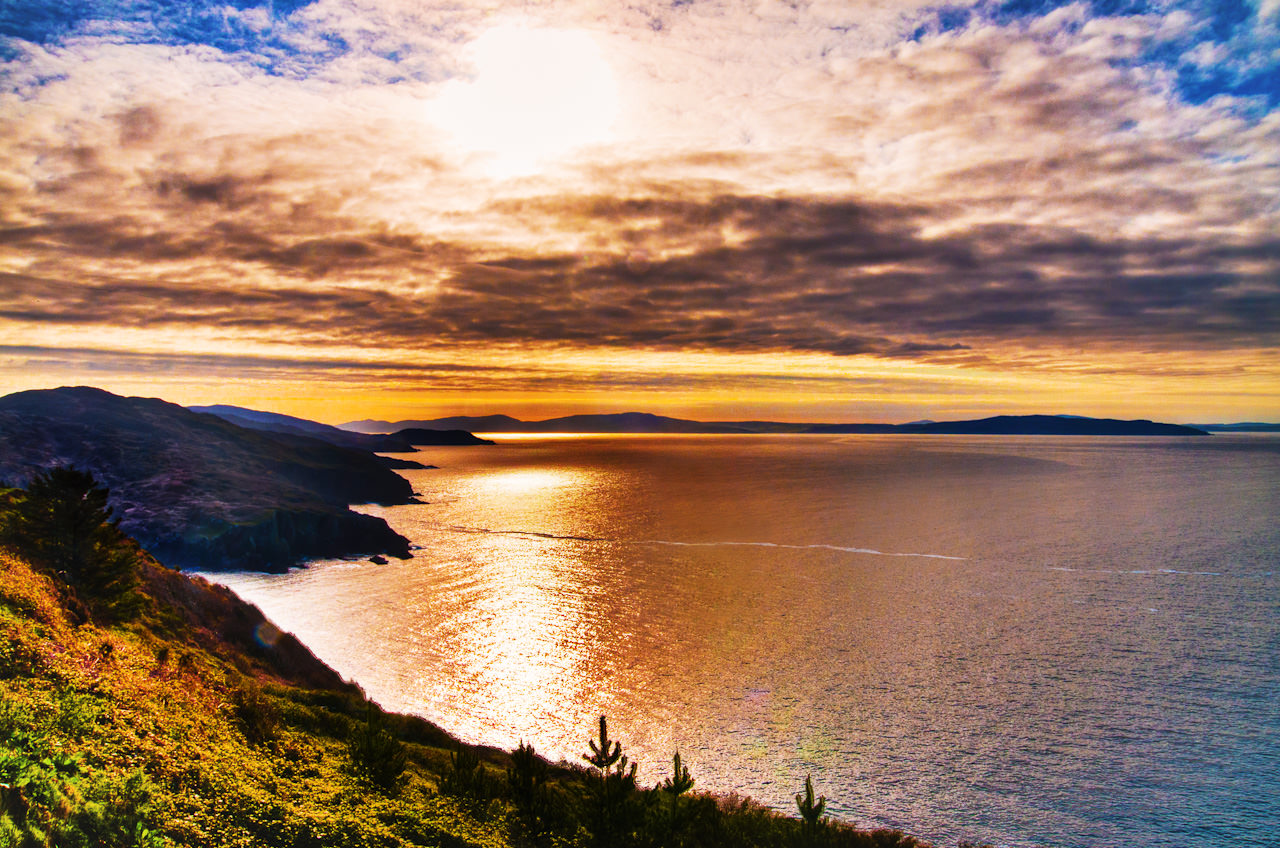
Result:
[
  {"x": 603, "y": 756},
  {"x": 612, "y": 787},
  {"x": 680, "y": 782},
  {"x": 811, "y": 811},
  {"x": 466, "y": 778},
  {"x": 527, "y": 780},
  {"x": 672, "y": 813}
]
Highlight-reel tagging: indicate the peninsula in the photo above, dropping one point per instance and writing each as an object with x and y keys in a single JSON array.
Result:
[{"x": 198, "y": 491}]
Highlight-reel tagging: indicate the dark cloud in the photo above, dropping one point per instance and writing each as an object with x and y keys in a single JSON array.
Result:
[
  {"x": 230, "y": 192},
  {"x": 138, "y": 125},
  {"x": 134, "y": 361},
  {"x": 798, "y": 274},
  {"x": 410, "y": 376}
]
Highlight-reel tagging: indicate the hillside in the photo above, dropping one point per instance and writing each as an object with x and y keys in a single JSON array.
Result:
[
  {"x": 406, "y": 440},
  {"x": 198, "y": 491},
  {"x": 189, "y": 720},
  {"x": 198, "y": 724},
  {"x": 274, "y": 422}
]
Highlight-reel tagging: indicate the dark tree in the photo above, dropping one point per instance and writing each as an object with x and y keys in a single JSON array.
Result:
[
  {"x": 527, "y": 780},
  {"x": 612, "y": 789},
  {"x": 811, "y": 811},
  {"x": 467, "y": 777},
  {"x": 673, "y": 818},
  {"x": 62, "y": 522},
  {"x": 680, "y": 782}
]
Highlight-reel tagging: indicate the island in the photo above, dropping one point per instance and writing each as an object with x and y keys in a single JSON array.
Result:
[{"x": 422, "y": 437}]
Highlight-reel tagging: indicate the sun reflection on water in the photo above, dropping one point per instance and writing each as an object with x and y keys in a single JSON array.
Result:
[
  {"x": 520, "y": 481},
  {"x": 523, "y": 655}
]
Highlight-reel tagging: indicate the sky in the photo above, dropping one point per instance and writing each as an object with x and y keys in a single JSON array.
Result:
[{"x": 863, "y": 210}]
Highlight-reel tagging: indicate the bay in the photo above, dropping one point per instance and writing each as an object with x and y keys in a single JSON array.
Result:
[{"x": 1025, "y": 641}]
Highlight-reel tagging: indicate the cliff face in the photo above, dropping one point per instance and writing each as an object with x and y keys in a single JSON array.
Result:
[
  {"x": 213, "y": 618},
  {"x": 199, "y": 491},
  {"x": 275, "y": 541}
]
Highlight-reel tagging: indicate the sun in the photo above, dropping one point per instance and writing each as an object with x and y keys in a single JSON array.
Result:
[{"x": 537, "y": 95}]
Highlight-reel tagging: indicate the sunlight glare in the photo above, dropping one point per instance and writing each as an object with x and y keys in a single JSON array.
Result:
[
  {"x": 525, "y": 481},
  {"x": 537, "y": 95}
]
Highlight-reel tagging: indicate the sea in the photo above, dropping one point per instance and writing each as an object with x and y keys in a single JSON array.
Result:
[{"x": 1024, "y": 641}]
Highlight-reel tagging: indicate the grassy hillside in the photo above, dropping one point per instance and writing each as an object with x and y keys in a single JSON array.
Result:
[{"x": 163, "y": 711}]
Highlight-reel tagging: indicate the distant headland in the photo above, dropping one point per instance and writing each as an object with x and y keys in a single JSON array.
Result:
[{"x": 643, "y": 422}]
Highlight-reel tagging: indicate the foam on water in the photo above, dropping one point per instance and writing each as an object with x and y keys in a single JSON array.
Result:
[
  {"x": 1134, "y": 571},
  {"x": 552, "y": 536}
]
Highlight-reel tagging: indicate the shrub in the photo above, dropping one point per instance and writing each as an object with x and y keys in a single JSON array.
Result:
[
  {"x": 36, "y": 797},
  {"x": 466, "y": 777},
  {"x": 259, "y": 718},
  {"x": 116, "y": 813},
  {"x": 378, "y": 756},
  {"x": 18, "y": 657}
]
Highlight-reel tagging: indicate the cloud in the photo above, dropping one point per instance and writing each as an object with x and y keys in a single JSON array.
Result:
[
  {"x": 879, "y": 179},
  {"x": 798, "y": 274}
]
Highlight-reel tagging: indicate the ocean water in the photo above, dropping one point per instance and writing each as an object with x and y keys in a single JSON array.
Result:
[{"x": 1026, "y": 641}]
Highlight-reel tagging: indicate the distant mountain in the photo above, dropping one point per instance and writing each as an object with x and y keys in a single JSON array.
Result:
[
  {"x": 1240, "y": 427},
  {"x": 626, "y": 422},
  {"x": 405, "y": 440},
  {"x": 640, "y": 422},
  {"x": 277, "y": 423},
  {"x": 1036, "y": 425},
  {"x": 199, "y": 491}
]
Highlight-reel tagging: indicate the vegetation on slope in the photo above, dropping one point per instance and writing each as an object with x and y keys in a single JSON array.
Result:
[{"x": 148, "y": 708}]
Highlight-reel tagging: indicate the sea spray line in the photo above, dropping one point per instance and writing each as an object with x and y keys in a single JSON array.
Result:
[
  {"x": 871, "y": 551},
  {"x": 1133, "y": 571},
  {"x": 536, "y": 535}
]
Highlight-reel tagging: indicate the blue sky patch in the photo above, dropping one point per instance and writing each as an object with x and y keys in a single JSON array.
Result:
[
  {"x": 233, "y": 26},
  {"x": 1249, "y": 65}
]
